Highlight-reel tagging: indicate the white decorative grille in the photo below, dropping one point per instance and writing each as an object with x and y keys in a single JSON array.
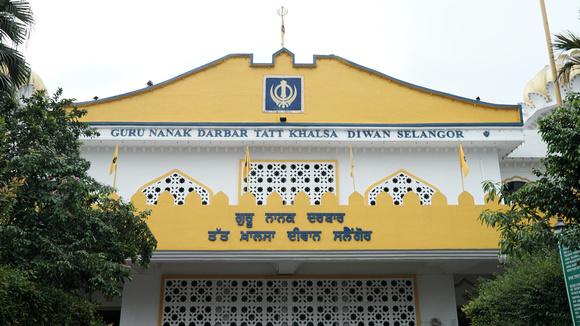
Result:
[
  {"x": 290, "y": 178},
  {"x": 178, "y": 186},
  {"x": 398, "y": 186},
  {"x": 296, "y": 302}
]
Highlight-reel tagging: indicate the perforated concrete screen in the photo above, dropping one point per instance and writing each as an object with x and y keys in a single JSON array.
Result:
[
  {"x": 178, "y": 186},
  {"x": 398, "y": 186},
  {"x": 289, "y": 301},
  {"x": 315, "y": 178}
]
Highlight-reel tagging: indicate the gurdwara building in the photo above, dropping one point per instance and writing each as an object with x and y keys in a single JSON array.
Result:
[{"x": 323, "y": 193}]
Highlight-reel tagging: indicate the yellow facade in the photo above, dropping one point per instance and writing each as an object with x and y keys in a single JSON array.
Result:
[
  {"x": 231, "y": 236},
  {"x": 336, "y": 91},
  {"x": 394, "y": 227},
  {"x": 229, "y": 90}
]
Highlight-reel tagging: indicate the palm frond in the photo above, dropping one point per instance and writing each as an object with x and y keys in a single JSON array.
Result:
[
  {"x": 5, "y": 83},
  {"x": 14, "y": 67},
  {"x": 566, "y": 41},
  {"x": 571, "y": 63},
  {"x": 16, "y": 21}
]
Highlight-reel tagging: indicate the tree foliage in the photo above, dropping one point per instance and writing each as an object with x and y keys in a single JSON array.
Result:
[
  {"x": 532, "y": 289},
  {"x": 530, "y": 292},
  {"x": 16, "y": 21},
  {"x": 527, "y": 222},
  {"x": 63, "y": 225},
  {"x": 25, "y": 302}
]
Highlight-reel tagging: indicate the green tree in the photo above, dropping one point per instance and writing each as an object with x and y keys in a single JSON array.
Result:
[
  {"x": 531, "y": 291},
  {"x": 16, "y": 22},
  {"x": 526, "y": 224},
  {"x": 63, "y": 225},
  {"x": 24, "y": 302}
]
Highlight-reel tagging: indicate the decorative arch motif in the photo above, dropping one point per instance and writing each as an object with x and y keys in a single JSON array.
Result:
[
  {"x": 397, "y": 185},
  {"x": 517, "y": 178},
  {"x": 514, "y": 183},
  {"x": 179, "y": 186}
]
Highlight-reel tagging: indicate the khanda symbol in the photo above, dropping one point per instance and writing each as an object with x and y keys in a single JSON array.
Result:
[{"x": 286, "y": 96}]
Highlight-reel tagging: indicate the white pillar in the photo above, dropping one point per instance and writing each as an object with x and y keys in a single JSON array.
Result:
[
  {"x": 141, "y": 297},
  {"x": 437, "y": 299}
]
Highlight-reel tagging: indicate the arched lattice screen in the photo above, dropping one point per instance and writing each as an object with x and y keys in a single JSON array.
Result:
[
  {"x": 178, "y": 186},
  {"x": 398, "y": 186}
]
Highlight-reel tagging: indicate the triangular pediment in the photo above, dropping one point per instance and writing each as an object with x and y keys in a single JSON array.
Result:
[{"x": 331, "y": 90}]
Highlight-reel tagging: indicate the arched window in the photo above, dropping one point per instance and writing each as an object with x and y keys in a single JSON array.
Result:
[{"x": 513, "y": 186}]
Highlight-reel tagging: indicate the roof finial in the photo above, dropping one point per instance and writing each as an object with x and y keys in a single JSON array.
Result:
[{"x": 282, "y": 12}]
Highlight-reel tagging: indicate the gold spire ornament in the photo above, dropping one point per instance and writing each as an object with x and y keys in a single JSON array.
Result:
[{"x": 282, "y": 12}]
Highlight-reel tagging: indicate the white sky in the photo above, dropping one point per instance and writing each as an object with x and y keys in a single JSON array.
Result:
[{"x": 469, "y": 48}]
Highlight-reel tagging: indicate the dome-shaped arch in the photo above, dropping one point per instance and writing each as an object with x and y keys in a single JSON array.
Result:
[
  {"x": 179, "y": 186},
  {"x": 30, "y": 87},
  {"x": 397, "y": 185}
]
